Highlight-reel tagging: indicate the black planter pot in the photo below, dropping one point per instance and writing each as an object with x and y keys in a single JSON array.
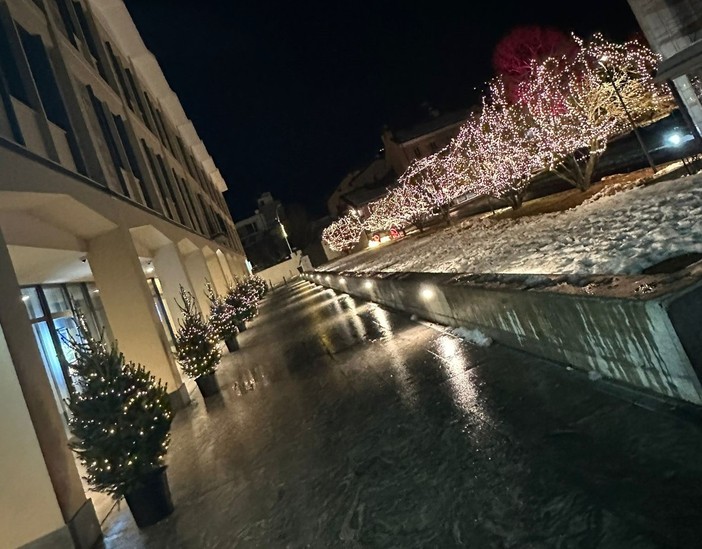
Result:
[
  {"x": 151, "y": 502},
  {"x": 241, "y": 326},
  {"x": 232, "y": 344},
  {"x": 208, "y": 385}
]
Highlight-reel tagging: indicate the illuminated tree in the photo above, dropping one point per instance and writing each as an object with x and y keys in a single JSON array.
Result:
[
  {"x": 428, "y": 187},
  {"x": 121, "y": 418},
  {"x": 196, "y": 340},
  {"x": 496, "y": 152},
  {"x": 342, "y": 235},
  {"x": 386, "y": 213},
  {"x": 516, "y": 53},
  {"x": 223, "y": 317},
  {"x": 413, "y": 203},
  {"x": 576, "y": 104}
]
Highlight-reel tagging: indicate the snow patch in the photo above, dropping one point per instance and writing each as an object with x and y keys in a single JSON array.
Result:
[
  {"x": 472, "y": 336},
  {"x": 619, "y": 234}
]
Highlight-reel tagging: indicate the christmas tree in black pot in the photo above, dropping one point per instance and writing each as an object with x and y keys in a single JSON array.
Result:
[
  {"x": 196, "y": 346},
  {"x": 223, "y": 318},
  {"x": 121, "y": 418}
]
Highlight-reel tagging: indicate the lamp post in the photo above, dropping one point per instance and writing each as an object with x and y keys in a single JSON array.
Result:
[
  {"x": 282, "y": 230},
  {"x": 602, "y": 60}
]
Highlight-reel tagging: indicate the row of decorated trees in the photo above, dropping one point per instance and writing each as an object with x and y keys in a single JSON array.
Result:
[
  {"x": 556, "y": 112},
  {"x": 121, "y": 414},
  {"x": 197, "y": 340}
]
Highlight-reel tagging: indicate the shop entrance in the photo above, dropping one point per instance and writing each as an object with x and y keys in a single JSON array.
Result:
[{"x": 53, "y": 311}]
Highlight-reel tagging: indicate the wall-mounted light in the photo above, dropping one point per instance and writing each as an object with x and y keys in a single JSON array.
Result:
[
  {"x": 427, "y": 293},
  {"x": 368, "y": 284}
]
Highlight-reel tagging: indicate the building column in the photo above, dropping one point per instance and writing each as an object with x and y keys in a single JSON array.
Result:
[
  {"x": 130, "y": 309},
  {"x": 229, "y": 279},
  {"x": 171, "y": 272},
  {"x": 216, "y": 274},
  {"x": 199, "y": 274},
  {"x": 42, "y": 496},
  {"x": 237, "y": 265}
]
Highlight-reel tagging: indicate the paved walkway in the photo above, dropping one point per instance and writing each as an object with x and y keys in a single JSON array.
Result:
[{"x": 343, "y": 425}]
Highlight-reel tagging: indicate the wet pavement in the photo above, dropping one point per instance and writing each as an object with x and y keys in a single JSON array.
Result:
[{"x": 341, "y": 424}]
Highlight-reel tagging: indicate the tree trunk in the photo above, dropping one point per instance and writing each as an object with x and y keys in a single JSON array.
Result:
[
  {"x": 446, "y": 213},
  {"x": 514, "y": 199}
]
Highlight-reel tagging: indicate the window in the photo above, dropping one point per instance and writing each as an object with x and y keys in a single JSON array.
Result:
[
  {"x": 157, "y": 176},
  {"x": 132, "y": 159},
  {"x": 110, "y": 139},
  {"x": 10, "y": 69},
  {"x": 69, "y": 28},
  {"x": 44, "y": 78},
  {"x": 137, "y": 98},
  {"x": 117, "y": 66},
  {"x": 89, "y": 39}
]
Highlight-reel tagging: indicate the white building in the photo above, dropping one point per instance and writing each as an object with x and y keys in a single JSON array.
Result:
[
  {"x": 673, "y": 28},
  {"x": 109, "y": 202}
]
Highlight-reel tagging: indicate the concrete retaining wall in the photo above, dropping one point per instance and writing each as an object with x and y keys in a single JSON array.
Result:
[
  {"x": 650, "y": 339},
  {"x": 285, "y": 271}
]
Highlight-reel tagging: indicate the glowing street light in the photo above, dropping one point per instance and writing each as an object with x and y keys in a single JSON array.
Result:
[{"x": 674, "y": 139}]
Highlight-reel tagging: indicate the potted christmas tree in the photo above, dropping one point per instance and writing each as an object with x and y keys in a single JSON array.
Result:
[
  {"x": 258, "y": 286},
  {"x": 223, "y": 318},
  {"x": 121, "y": 418},
  {"x": 196, "y": 346},
  {"x": 243, "y": 303}
]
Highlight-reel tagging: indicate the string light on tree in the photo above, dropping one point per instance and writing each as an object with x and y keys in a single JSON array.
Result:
[
  {"x": 196, "y": 341},
  {"x": 121, "y": 416},
  {"x": 342, "y": 235}
]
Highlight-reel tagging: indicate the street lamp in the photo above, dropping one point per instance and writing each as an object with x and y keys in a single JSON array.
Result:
[
  {"x": 282, "y": 230},
  {"x": 602, "y": 60},
  {"x": 675, "y": 139}
]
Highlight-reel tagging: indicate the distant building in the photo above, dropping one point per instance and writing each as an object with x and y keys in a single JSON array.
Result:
[
  {"x": 263, "y": 234},
  {"x": 400, "y": 148},
  {"x": 362, "y": 186},
  {"x": 404, "y": 146},
  {"x": 673, "y": 28}
]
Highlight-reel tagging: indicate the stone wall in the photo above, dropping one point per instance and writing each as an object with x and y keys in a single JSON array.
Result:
[{"x": 642, "y": 334}]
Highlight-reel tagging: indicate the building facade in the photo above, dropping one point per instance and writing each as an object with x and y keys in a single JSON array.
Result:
[
  {"x": 673, "y": 28},
  {"x": 404, "y": 146},
  {"x": 263, "y": 234},
  {"x": 109, "y": 202},
  {"x": 401, "y": 147}
]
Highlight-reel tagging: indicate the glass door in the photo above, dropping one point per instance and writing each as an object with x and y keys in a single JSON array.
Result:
[
  {"x": 163, "y": 313},
  {"x": 53, "y": 311}
]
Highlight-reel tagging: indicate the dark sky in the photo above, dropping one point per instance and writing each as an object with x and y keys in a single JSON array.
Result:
[{"x": 291, "y": 96}]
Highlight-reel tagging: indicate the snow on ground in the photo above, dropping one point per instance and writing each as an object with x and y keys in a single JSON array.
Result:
[
  {"x": 476, "y": 337},
  {"x": 619, "y": 234}
]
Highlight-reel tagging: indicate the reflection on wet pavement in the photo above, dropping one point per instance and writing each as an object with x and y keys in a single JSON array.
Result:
[{"x": 341, "y": 424}]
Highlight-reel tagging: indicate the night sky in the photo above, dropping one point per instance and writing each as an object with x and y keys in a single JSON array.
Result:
[{"x": 289, "y": 98}]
